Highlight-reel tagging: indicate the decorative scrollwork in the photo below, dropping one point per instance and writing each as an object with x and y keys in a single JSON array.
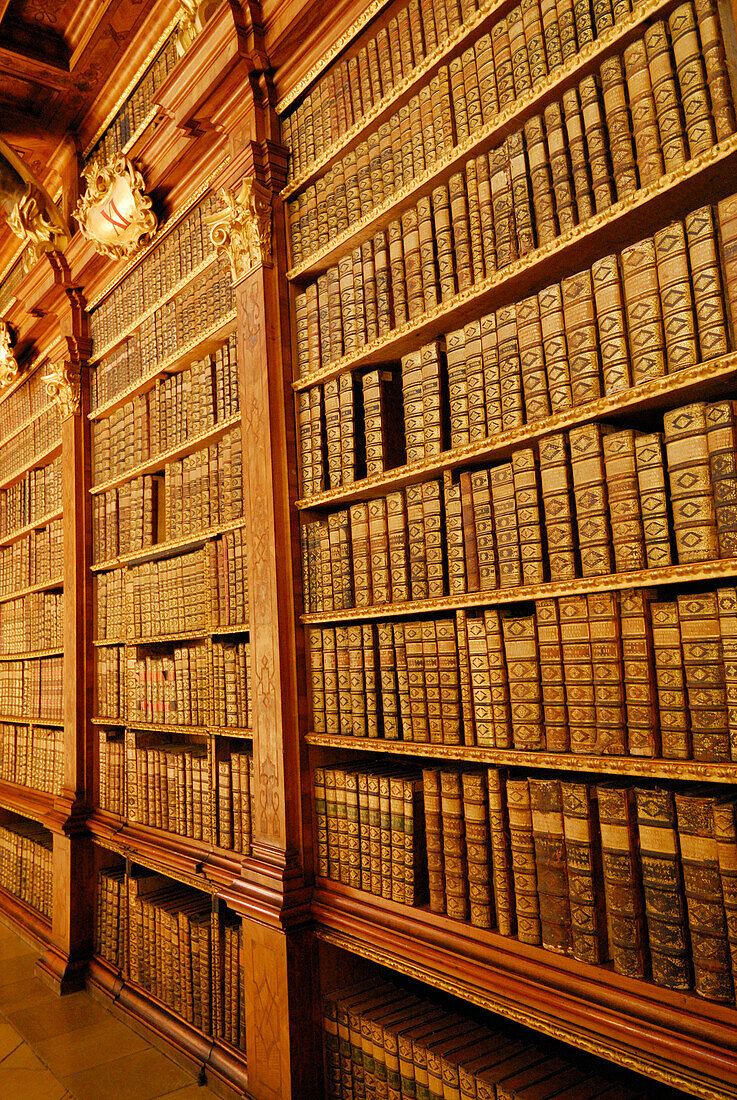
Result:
[
  {"x": 115, "y": 211},
  {"x": 31, "y": 221},
  {"x": 64, "y": 386},
  {"x": 189, "y": 24},
  {"x": 243, "y": 227},
  {"x": 8, "y": 363}
]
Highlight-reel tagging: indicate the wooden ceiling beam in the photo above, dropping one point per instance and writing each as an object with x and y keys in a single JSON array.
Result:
[{"x": 20, "y": 65}]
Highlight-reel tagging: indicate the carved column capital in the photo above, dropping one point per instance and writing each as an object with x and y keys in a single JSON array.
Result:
[
  {"x": 64, "y": 380},
  {"x": 64, "y": 385},
  {"x": 8, "y": 363},
  {"x": 242, "y": 228}
]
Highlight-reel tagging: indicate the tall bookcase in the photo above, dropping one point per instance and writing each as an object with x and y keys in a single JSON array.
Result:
[
  {"x": 513, "y": 337},
  {"x": 178, "y": 891}
]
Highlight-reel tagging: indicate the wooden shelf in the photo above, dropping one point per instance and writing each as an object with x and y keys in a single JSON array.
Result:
[
  {"x": 36, "y": 525},
  {"x": 158, "y": 462},
  {"x": 167, "y": 297},
  {"x": 486, "y": 137},
  {"x": 168, "y": 549},
  {"x": 45, "y": 587},
  {"x": 161, "y": 639},
  {"x": 625, "y": 222},
  {"x": 200, "y": 1053},
  {"x": 39, "y": 460},
  {"x": 198, "y": 864},
  {"x": 706, "y": 380},
  {"x": 26, "y": 655},
  {"x": 14, "y": 719},
  {"x": 205, "y": 342},
  {"x": 166, "y": 727},
  {"x": 677, "y": 1038},
  {"x": 697, "y": 770},
  {"x": 610, "y": 582},
  {"x": 28, "y": 802},
  {"x": 26, "y": 919}
]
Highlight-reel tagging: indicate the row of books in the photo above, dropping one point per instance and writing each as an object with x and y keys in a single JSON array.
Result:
[
  {"x": 398, "y": 839},
  {"x": 172, "y": 941},
  {"x": 32, "y": 498},
  {"x": 32, "y": 622},
  {"x": 163, "y": 333},
  {"x": 582, "y": 503},
  {"x": 642, "y": 875},
  {"x": 363, "y": 77},
  {"x": 608, "y": 672},
  {"x": 176, "y": 788},
  {"x": 23, "y": 403},
  {"x": 202, "y": 490},
  {"x": 36, "y": 558},
  {"x": 452, "y": 240},
  {"x": 110, "y": 670},
  {"x": 33, "y": 688},
  {"x": 570, "y": 344},
  {"x": 138, "y": 104},
  {"x": 35, "y": 439},
  {"x": 177, "y": 408},
  {"x": 32, "y": 756},
  {"x": 198, "y": 684},
  {"x": 173, "y": 788},
  {"x": 193, "y": 685},
  {"x": 182, "y": 250},
  {"x": 382, "y": 1040},
  {"x": 201, "y": 591},
  {"x": 567, "y": 141},
  {"x": 25, "y": 863}
]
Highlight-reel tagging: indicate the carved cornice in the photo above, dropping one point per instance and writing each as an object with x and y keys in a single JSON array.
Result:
[
  {"x": 115, "y": 211},
  {"x": 8, "y": 363},
  {"x": 242, "y": 228}
]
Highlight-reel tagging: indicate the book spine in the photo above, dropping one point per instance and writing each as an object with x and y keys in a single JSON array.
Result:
[{"x": 663, "y": 885}]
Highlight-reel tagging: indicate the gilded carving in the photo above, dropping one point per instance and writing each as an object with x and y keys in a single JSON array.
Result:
[
  {"x": 610, "y": 765},
  {"x": 8, "y": 363},
  {"x": 31, "y": 221},
  {"x": 242, "y": 228},
  {"x": 115, "y": 211},
  {"x": 189, "y": 24},
  {"x": 63, "y": 385}
]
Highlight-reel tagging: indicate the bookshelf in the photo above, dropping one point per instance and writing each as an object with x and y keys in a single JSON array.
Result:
[{"x": 460, "y": 206}]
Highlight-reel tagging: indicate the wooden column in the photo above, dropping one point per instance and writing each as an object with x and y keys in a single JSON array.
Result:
[
  {"x": 65, "y": 962},
  {"x": 281, "y": 1039}
]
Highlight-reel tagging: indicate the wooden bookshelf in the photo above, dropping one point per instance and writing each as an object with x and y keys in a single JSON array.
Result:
[{"x": 672, "y": 1036}]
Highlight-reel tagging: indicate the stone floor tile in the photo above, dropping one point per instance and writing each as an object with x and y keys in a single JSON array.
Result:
[{"x": 142, "y": 1076}]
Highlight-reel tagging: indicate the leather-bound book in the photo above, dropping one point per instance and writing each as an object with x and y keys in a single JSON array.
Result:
[
  {"x": 624, "y": 501},
  {"x": 523, "y": 861},
  {"x": 704, "y": 901},
  {"x": 523, "y": 672},
  {"x": 665, "y": 904},
  {"x": 673, "y": 713},
  {"x": 546, "y": 807},
  {"x": 585, "y": 875},
  {"x": 705, "y": 679},
  {"x": 691, "y": 492}
]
